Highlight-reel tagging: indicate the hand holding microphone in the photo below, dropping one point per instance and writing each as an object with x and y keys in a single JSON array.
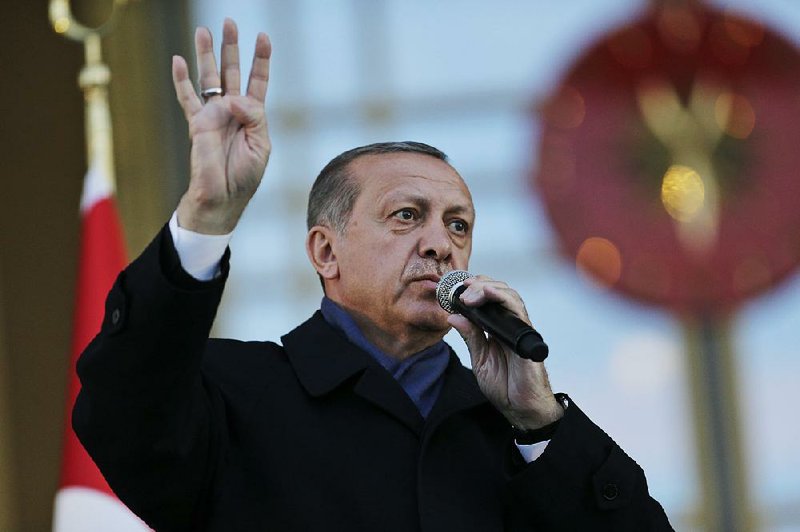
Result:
[
  {"x": 507, "y": 365},
  {"x": 491, "y": 317}
]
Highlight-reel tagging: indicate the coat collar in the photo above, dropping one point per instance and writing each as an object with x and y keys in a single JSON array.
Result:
[
  {"x": 321, "y": 356},
  {"x": 323, "y": 360}
]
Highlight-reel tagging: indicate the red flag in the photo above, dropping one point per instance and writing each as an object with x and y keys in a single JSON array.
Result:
[{"x": 84, "y": 501}]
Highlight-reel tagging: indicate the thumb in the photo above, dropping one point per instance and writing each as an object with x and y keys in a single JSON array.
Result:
[{"x": 247, "y": 113}]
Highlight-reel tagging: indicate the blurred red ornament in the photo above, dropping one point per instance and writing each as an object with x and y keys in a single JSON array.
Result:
[{"x": 674, "y": 143}]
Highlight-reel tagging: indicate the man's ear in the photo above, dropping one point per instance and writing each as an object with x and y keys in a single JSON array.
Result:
[{"x": 319, "y": 247}]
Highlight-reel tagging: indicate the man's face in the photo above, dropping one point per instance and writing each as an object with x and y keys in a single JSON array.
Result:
[{"x": 411, "y": 223}]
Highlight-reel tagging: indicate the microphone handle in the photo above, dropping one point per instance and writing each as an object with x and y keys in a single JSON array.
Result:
[{"x": 503, "y": 325}]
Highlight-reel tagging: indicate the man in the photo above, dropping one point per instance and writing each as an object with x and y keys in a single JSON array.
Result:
[{"x": 363, "y": 419}]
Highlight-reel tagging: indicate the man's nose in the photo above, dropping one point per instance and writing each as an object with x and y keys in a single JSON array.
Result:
[{"x": 435, "y": 242}]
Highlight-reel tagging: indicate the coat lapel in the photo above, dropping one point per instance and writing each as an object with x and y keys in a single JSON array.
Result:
[
  {"x": 460, "y": 392},
  {"x": 324, "y": 360}
]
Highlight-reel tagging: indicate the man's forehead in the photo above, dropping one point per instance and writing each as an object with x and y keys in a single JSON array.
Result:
[{"x": 406, "y": 173}]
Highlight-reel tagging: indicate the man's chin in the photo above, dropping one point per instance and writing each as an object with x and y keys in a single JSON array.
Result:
[
  {"x": 431, "y": 319},
  {"x": 423, "y": 309}
]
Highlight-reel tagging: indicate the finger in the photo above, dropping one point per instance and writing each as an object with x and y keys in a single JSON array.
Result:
[
  {"x": 184, "y": 89},
  {"x": 208, "y": 76},
  {"x": 247, "y": 112},
  {"x": 251, "y": 115},
  {"x": 259, "y": 71},
  {"x": 479, "y": 293},
  {"x": 481, "y": 280},
  {"x": 472, "y": 335},
  {"x": 229, "y": 56}
]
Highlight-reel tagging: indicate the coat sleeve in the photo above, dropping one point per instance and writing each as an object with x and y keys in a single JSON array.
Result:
[
  {"x": 145, "y": 413},
  {"x": 582, "y": 481}
]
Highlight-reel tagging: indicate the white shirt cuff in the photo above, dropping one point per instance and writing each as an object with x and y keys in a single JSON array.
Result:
[
  {"x": 200, "y": 254},
  {"x": 533, "y": 451}
]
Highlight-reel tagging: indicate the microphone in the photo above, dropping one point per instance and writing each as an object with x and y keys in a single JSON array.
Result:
[{"x": 491, "y": 317}]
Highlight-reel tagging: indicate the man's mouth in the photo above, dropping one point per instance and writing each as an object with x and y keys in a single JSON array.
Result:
[{"x": 429, "y": 281}]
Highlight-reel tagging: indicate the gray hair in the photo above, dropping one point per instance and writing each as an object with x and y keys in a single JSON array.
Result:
[{"x": 334, "y": 192}]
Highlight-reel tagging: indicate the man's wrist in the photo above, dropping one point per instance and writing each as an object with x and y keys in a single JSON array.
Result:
[
  {"x": 524, "y": 434},
  {"x": 199, "y": 254},
  {"x": 208, "y": 218}
]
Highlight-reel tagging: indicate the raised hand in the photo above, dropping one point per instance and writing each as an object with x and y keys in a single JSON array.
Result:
[
  {"x": 230, "y": 140},
  {"x": 517, "y": 387}
]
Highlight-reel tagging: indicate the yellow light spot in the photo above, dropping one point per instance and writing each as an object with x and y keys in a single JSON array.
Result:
[
  {"x": 734, "y": 115},
  {"x": 61, "y": 25},
  {"x": 682, "y": 192},
  {"x": 601, "y": 260}
]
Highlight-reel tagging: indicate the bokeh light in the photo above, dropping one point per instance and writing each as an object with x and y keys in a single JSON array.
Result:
[
  {"x": 734, "y": 115},
  {"x": 679, "y": 28},
  {"x": 61, "y": 25},
  {"x": 726, "y": 49},
  {"x": 682, "y": 192},
  {"x": 745, "y": 32},
  {"x": 601, "y": 260},
  {"x": 645, "y": 361}
]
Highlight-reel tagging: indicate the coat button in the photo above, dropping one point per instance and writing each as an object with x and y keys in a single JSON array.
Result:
[
  {"x": 115, "y": 316},
  {"x": 610, "y": 491}
]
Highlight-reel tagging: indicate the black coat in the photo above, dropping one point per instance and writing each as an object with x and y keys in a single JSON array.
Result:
[{"x": 198, "y": 434}]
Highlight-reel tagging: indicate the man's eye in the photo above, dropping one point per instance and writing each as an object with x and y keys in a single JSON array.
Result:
[
  {"x": 405, "y": 214},
  {"x": 459, "y": 226}
]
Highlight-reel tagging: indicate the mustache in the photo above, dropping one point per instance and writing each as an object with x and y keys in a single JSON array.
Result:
[{"x": 423, "y": 269}]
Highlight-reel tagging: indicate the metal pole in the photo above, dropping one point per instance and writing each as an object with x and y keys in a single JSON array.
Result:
[
  {"x": 725, "y": 499},
  {"x": 93, "y": 80}
]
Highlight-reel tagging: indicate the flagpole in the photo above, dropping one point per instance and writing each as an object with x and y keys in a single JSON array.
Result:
[
  {"x": 84, "y": 501},
  {"x": 93, "y": 80}
]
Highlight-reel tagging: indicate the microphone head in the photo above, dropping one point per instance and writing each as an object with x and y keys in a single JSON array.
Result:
[{"x": 447, "y": 286}]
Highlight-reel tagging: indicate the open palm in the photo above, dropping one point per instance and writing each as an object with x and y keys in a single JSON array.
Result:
[{"x": 230, "y": 139}]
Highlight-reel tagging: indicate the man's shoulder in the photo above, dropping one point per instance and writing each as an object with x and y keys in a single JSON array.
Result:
[
  {"x": 226, "y": 353},
  {"x": 257, "y": 362},
  {"x": 308, "y": 353},
  {"x": 243, "y": 373}
]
